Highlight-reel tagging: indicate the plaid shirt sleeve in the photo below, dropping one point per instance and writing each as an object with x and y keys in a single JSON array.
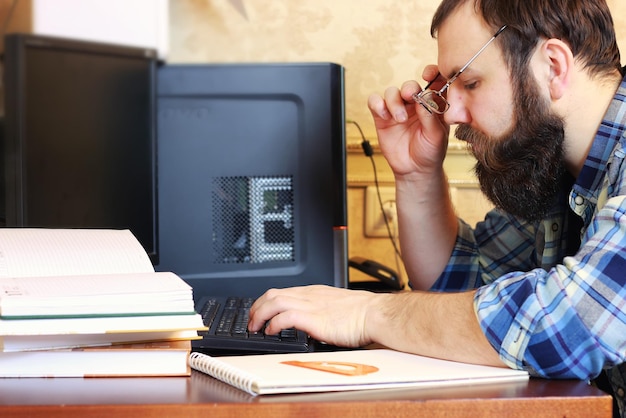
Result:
[{"x": 569, "y": 321}]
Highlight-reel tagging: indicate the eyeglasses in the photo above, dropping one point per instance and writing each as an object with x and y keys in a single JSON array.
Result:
[{"x": 433, "y": 100}]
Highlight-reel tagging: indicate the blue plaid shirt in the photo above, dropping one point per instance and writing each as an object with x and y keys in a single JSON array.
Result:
[{"x": 556, "y": 315}]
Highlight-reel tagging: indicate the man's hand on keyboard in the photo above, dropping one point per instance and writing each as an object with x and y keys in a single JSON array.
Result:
[
  {"x": 427, "y": 323},
  {"x": 332, "y": 315}
]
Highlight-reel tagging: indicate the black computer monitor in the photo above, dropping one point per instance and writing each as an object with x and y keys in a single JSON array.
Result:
[
  {"x": 80, "y": 136},
  {"x": 252, "y": 175}
]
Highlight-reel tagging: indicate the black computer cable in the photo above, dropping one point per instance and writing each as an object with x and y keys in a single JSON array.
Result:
[{"x": 369, "y": 152}]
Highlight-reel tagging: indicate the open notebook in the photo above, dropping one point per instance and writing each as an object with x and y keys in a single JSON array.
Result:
[{"x": 344, "y": 370}]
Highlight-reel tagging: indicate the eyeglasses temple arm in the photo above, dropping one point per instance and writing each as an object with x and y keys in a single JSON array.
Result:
[{"x": 458, "y": 73}]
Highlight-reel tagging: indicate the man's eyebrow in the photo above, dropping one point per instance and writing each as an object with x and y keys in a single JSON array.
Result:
[
  {"x": 453, "y": 73},
  {"x": 456, "y": 70}
]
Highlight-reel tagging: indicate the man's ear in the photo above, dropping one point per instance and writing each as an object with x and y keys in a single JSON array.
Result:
[{"x": 559, "y": 58}]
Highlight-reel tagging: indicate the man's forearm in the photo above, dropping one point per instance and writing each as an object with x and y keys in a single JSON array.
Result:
[
  {"x": 442, "y": 325},
  {"x": 428, "y": 228}
]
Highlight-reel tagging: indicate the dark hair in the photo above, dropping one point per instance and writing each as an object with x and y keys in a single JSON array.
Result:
[{"x": 585, "y": 25}]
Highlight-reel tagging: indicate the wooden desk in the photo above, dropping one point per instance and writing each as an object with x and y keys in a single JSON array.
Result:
[{"x": 202, "y": 396}]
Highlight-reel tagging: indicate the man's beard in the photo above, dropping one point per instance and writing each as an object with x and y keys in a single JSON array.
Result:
[{"x": 520, "y": 171}]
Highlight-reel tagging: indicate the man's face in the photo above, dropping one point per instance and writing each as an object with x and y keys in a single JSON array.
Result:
[
  {"x": 507, "y": 123},
  {"x": 520, "y": 170}
]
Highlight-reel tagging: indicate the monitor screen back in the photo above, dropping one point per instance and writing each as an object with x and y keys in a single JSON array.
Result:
[{"x": 80, "y": 136}]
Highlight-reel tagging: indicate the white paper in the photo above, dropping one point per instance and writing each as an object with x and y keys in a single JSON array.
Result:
[{"x": 32, "y": 252}]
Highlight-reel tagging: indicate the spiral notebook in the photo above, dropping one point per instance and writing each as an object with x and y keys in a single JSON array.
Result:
[{"x": 344, "y": 371}]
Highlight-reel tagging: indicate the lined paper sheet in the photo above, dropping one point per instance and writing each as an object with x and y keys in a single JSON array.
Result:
[{"x": 32, "y": 252}]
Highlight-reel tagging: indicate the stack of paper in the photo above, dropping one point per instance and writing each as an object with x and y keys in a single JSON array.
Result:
[{"x": 89, "y": 303}]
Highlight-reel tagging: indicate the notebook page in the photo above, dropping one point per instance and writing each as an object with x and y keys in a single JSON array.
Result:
[
  {"x": 33, "y": 252},
  {"x": 97, "y": 294}
]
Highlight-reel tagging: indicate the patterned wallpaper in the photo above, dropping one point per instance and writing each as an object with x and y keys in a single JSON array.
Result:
[{"x": 379, "y": 42}]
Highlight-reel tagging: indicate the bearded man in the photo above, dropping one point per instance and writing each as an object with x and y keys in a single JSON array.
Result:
[{"x": 536, "y": 90}]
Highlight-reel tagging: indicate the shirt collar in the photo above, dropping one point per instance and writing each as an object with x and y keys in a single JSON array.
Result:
[{"x": 611, "y": 130}]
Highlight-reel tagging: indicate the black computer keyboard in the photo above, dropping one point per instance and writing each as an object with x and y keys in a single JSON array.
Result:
[{"x": 227, "y": 320}]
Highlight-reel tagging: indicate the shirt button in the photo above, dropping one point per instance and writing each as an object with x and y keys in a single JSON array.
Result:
[
  {"x": 620, "y": 392},
  {"x": 579, "y": 200},
  {"x": 555, "y": 227}
]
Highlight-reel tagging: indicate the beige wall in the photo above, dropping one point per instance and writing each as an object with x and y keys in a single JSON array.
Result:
[{"x": 379, "y": 42}]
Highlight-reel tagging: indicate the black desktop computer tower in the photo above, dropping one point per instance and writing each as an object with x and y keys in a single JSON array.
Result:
[{"x": 251, "y": 174}]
